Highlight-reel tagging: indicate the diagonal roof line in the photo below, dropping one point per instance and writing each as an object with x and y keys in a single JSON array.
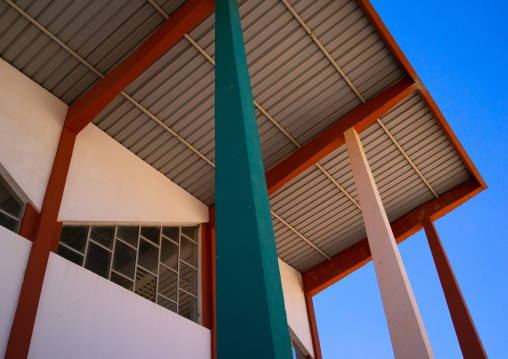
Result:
[
  {"x": 261, "y": 109},
  {"x": 276, "y": 124},
  {"x": 138, "y": 105},
  {"x": 355, "y": 90},
  {"x": 100, "y": 75}
]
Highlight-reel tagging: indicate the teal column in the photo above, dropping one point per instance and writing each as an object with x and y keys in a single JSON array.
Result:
[{"x": 251, "y": 318}]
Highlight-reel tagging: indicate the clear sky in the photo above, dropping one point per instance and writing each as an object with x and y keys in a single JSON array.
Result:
[{"x": 459, "y": 50}]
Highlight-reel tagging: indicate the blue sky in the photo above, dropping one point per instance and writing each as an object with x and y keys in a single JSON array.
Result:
[{"x": 459, "y": 50}]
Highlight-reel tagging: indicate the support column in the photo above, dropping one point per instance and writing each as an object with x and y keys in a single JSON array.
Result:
[
  {"x": 208, "y": 278},
  {"x": 469, "y": 340},
  {"x": 309, "y": 303},
  {"x": 251, "y": 318},
  {"x": 24, "y": 319},
  {"x": 407, "y": 332}
]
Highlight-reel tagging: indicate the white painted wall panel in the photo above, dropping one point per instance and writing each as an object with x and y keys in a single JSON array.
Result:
[
  {"x": 14, "y": 251},
  {"x": 82, "y": 315},
  {"x": 31, "y": 120},
  {"x": 108, "y": 183},
  {"x": 294, "y": 301}
]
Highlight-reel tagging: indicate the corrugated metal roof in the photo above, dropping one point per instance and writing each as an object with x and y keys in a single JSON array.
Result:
[
  {"x": 292, "y": 81},
  {"x": 332, "y": 222},
  {"x": 103, "y": 33}
]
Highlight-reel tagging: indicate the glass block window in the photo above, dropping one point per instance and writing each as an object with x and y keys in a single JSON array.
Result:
[
  {"x": 156, "y": 262},
  {"x": 11, "y": 207}
]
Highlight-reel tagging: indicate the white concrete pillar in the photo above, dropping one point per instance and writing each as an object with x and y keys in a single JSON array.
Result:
[{"x": 407, "y": 332}]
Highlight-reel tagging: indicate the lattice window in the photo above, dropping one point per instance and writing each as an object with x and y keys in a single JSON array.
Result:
[
  {"x": 11, "y": 207},
  {"x": 156, "y": 262}
]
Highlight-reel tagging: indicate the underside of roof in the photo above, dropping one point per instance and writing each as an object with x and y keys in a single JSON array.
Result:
[{"x": 166, "y": 116}]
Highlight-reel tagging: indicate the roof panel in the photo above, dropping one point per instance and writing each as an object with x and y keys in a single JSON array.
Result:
[{"x": 291, "y": 79}]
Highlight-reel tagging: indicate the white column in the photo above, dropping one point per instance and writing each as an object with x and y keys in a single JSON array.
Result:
[{"x": 407, "y": 332}]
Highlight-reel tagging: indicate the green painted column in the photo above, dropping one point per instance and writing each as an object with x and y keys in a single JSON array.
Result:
[{"x": 251, "y": 318}]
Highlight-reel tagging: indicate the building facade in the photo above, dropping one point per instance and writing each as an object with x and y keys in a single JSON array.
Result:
[{"x": 181, "y": 178}]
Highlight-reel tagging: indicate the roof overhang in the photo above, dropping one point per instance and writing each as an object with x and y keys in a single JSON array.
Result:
[{"x": 316, "y": 67}]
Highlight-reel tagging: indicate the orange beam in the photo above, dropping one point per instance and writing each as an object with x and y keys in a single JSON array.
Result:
[
  {"x": 214, "y": 287},
  {"x": 24, "y": 319},
  {"x": 332, "y": 138},
  {"x": 381, "y": 29},
  {"x": 316, "y": 279},
  {"x": 29, "y": 223},
  {"x": 469, "y": 340},
  {"x": 84, "y": 110},
  {"x": 399, "y": 56},
  {"x": 206, "y": 275},
  {"x": 445, "y": 127},
  {"x": 313, "y": 326},
  {"x": 210, "y": 312}
]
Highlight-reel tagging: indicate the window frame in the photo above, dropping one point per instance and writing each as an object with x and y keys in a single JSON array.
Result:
[
  {"x": 140, "y": 237},
  {"x": 4, "y": 181}
]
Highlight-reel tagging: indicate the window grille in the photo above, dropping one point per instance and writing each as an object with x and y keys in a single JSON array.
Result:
[
  {"x": 156, "y": 262},
  {"x": 11, "y": 207}
]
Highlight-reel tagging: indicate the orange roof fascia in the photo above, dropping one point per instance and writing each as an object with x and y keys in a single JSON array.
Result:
[
  {"x": 317, "y": 279},
  {"x": 450, "y": 135},
  {"x": 332, "y": 138},
  {"x": 84, "y": 110},
  {"x": 399, "y": 56}
]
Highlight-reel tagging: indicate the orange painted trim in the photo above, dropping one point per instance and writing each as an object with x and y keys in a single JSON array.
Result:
[
  {"x": 211, "y": 216},
  {"x": 24, "y": 319},
  {"x": 317, "y": 279},
  {"x": 467, "y": 335},
  {"x": 381, "y": 29},
  {"x": 313, "y": 326},
  {"x": 84, "y": 110},
  {"x": 209, "y": 314},
  {"x": 206, "y": 276},
  {"x": 29, "y": 223},
  {"x": 214, "y": 284},
  {"x": 450, "y": 135},
  {"x": 332, "y": 138},
  {"x": 399, "y": 56}
]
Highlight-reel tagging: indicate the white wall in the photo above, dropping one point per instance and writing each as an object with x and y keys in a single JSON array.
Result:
[
  {"x": 82, "y": 315},
  {"x": 106, "y": 182},
  {"x": 14, "y": 251},
  {"x": 294, "y": 301},
  {"x": 31, "y": 120}
]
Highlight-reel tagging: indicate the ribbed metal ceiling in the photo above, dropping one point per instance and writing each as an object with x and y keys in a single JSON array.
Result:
[{"x": 294, "y": 85}]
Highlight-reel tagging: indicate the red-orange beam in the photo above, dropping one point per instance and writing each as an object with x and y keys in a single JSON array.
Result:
[
  {"x": 206, "y": 275},
  {"x": 29, "y": 223},
  {"x": 403, "y": 62},
  {"x": 469, "y": 340},
  {"x": 445, "y": 127},
  {"x": 214, "y": 295},
  {"x": 332, "y": 138},
  {"x": 313, "y": 326},
  {"x": 327, "y": 273},
  {"x": 381, "y": 29},
  {"x": 208, "y": 280},
  {"x": 84, "y": 110},
  {"x": 24, "y": 318}
]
